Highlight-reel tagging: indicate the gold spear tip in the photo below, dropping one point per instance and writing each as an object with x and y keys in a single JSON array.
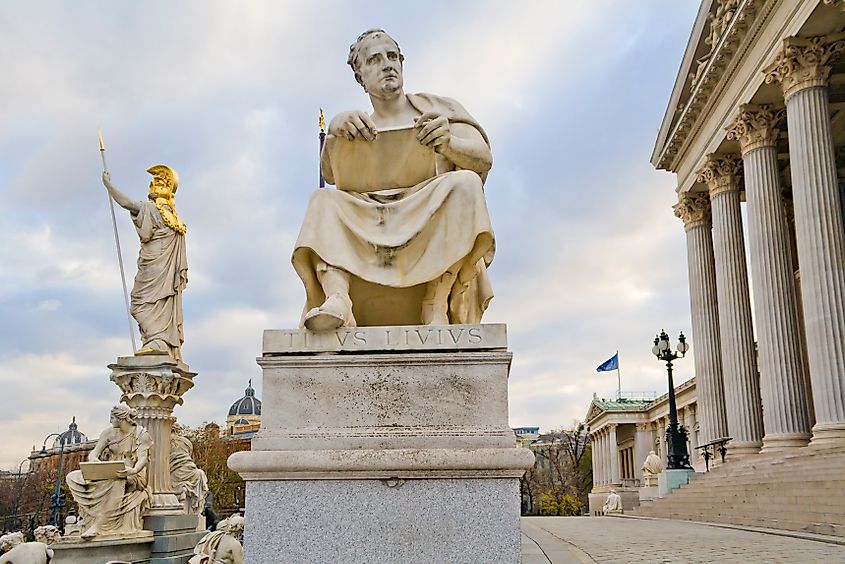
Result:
[
  {"x": 100, "y": 135},
  {"x": 322, "y": 121}
]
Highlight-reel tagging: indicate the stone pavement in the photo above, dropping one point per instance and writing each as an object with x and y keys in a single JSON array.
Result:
[{"x": 581, "y": 540}]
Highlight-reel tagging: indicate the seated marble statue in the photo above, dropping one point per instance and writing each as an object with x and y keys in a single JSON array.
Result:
[
  {"x": 651, "y": 468},
  {"x": 406, "y": 237},
  {"x": 613, "y": 504},
  {"x": 189, "y": 481},
  {"x": 116, "y": 505},
  {"x": 221, "y": 546}
]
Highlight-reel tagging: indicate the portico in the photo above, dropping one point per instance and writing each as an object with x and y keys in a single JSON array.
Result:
[{"x": 755, "y": 132}]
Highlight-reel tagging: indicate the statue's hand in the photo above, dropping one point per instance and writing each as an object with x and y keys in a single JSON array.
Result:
[
  {"x": 433, "y": 130},
  {"x": 107, "y": 180},
  {"x": 126, "y": 473},
  {"x": 352, "y": 125}
]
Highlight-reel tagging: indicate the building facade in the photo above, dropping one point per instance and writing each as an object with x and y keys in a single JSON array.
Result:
[
  {"x": 755, "y": 129},
  {"x": 623, "y": 432}
]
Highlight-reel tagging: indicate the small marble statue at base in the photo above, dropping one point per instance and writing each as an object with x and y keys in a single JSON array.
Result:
[
  {"x": 221, "y": 546},
  {"x": 651, "y": 468},
  {"x": 8, "y": 541},
  {"x": 613, "y": 503},
  {"x": 189, "y": 481},
  {"x": 115, "y": 506},
  {"x": 32, "y": 552}
]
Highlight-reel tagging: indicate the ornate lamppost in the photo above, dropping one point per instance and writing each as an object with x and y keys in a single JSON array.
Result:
[
  {"x": 57, "y": 500},
  {"x": 676, "y": 436},
  {"x": 18, "y": 487}
]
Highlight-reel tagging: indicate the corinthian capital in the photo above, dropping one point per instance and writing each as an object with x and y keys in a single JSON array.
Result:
[
  {"x": 693, "y": 208},
  {"x": 721, "y": 173},
  {"x": 756, "y": 126},
  {"x": 804, "y": 62}
]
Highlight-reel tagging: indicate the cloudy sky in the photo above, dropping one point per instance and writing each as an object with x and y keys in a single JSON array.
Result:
[{"x": 589, "y": 260}]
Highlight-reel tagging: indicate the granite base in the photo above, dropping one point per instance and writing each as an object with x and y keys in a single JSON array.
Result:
[{"x": 391, "y": 521}]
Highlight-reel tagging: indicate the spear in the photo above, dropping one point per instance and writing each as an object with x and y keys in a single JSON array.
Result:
[
  {"x": 322, "y": 124},
  {"x": 117, "y": 244}
]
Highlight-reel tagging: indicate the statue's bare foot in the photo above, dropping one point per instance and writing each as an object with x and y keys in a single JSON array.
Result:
[
  {"x": 90, "y": 533},
  {"x": 335, "y": 312},
  {"x": 147, "y": 351}
]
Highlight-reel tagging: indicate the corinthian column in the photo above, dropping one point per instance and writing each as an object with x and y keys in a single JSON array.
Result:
[
  {"x": 802, "y": 69},
  {"x": 694, "y": 210},
  {"x": 778, "y": 338},
  {"x": 613, "y": 449},
  {"x": 739, "y": 367}
]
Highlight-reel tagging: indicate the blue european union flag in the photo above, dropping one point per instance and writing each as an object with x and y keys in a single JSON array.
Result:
[{"x": 610, "y": 364}]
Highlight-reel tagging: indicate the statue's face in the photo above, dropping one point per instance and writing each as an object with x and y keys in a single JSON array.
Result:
[
  {"x": 159, "y": 187},
  {"x": 381, "y": 67}
]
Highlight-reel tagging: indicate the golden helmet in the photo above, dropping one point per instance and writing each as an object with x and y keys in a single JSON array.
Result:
[{"x": 167, "y": 173}]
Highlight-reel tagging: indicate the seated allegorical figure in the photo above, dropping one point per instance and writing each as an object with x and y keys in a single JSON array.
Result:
[
  {"x": 116, "y": 505},
  {"x": 189, "y": 481},
  {"x": 221, "y": 546},
  {"x": 613, "y": 504},
  {"x": 406, "y": 237}
]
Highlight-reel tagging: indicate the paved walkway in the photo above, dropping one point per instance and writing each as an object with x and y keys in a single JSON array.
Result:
[{"x": 581, "y": 540}]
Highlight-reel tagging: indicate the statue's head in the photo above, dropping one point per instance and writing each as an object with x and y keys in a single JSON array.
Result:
[
  {"x": 123, "y": 414},
  {"x": 376, "y": 60},
  {"x": 164, "y": 183},
  {"x": 234, "y": 525},
  {"x": 48, "y": 534},
  {"x": 652, "y": 453}
]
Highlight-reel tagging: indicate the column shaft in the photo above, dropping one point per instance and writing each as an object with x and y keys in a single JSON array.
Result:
[
  {"x": 739, "y": 369},
  {"x": 614, "y": 457},
  {"x": 821, "y": 256},
  {"x": 704, "y": 310},
  {"x": 779, "y": 347}
]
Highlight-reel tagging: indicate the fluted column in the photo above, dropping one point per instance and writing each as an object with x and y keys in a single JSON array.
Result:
[
  {"x": 739, "y": 367},
  {"x": 615, "y": 478},
  {"x": 643, "y": 443},
  {"x": 778, "y": 338},
  {"x": 598, "y": 477},
  {"x": 689, "y": 423},
  {"x": 802, "y": 69},
  {"x": 694, "y": 209},
  {"x": 661, "y": 440},
  {"x": 594, "y": 455},
  {"x": 605, "y": 460}
]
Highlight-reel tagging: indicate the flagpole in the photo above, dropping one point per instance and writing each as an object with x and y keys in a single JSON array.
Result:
[
  {"x": 618, "y": 378},
  {"x": 117, "y": 244}
]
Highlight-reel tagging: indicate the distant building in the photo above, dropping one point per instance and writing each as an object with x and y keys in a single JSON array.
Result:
[
  {"x": 625, "y": 430},
  {"x": 526, "y": 435},
  {"x": 244, "y": 417}
]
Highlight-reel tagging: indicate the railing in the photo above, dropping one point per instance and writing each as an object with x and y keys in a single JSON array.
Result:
[{"x": 710, "y": 449}]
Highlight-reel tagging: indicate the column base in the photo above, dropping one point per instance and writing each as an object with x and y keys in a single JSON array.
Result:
[
  {"x": 784, "y": 441},
  {"x": 743, "y": 449},
  {"x": 828, "y": 435},
  {"x": 165, "y": 504}
]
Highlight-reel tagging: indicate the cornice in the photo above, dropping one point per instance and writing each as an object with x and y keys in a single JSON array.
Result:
[{"x": 731, "y": 46}]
